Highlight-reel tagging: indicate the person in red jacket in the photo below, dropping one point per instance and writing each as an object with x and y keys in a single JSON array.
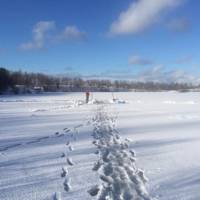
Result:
[{"x": 87, "y": 94}]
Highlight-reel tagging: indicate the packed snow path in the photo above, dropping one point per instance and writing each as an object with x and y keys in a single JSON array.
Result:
[{"x": 122, "y": 180}]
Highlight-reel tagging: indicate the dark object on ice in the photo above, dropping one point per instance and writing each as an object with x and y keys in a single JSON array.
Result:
[{"x": 87, "y": 94}]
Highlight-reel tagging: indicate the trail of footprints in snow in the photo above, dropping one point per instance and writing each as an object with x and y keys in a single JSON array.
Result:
[
  {"x": 69, "y": 162},
  {"x": 57, "y": 134},
  {"x": 66, "y": 130},
  {"x": 64, "y": 172},
  {"x": 119, "y": 175}
]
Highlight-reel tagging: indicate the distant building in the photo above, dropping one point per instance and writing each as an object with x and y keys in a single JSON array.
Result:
[
  {"x": 38, "y": 89},
  {"x": 20, "y": 89}
]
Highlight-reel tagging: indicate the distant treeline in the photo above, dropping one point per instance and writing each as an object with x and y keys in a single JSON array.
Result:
[{"x": 14, "y": 81}]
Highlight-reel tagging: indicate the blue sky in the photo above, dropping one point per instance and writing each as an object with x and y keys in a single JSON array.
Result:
[{"x": 121, "y": 39}]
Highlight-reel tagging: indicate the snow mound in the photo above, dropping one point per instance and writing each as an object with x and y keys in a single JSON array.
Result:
[
  {"x": 182, "y": 102},
  {"x": 40, "y": 110},
  {"x": 107, "y": 101}
]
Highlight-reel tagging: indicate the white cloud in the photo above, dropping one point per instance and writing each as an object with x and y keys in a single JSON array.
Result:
[
  {"x": 137, "y": 60},
  {"x": 140, "y": 15},
  {"x": 179, "y": 25},
  {"x": 159, "y": 74},
  {"x": 41, "y": 35},
  {"x": 71, "y": 33},
  {"x": 40, "y": 31}
]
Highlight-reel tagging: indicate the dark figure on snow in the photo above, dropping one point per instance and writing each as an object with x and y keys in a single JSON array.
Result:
[{"x": 87, "y": 94}]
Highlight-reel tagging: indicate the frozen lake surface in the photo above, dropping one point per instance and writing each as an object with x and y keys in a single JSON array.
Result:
[{"x": 41, "y": 134}]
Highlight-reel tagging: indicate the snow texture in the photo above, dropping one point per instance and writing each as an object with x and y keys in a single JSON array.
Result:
[
  {"x": 153, "y": 132},
  {"x": 116, "y": 165}
]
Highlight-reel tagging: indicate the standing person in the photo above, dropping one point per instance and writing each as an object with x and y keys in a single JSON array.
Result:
[{"x": 87, "y": 94}]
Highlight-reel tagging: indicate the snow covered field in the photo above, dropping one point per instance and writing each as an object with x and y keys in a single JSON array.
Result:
[{"x": 47, "y": 147}]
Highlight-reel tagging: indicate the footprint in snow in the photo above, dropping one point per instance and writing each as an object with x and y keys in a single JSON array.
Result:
[
  {"x": 64, "y": 172},
  {"x": 127, "y": 140},
  {"x": 97, "y": 165},
  {"x": 56, "y": 133},
  {"x": 66, "y": 131},
  {"x": 94, "y": 190},
  {"x": 70, "y": 162},
  {"x": 57, "y": 196},
  {"x": 132, "y": 153},
  {"x": 61, "y": 135},
  {"x": 71, "y": 148},
  {"x": 62, "y": 155},
  {"x": 96, "y": 152},
  {"x": 67, "y": 185}
]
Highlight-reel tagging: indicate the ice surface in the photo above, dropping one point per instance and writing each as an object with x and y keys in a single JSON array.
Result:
[{"x": 162, "y": 128}]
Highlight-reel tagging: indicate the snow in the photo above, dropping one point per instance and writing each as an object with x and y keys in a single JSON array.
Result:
[
  {"x": 47, "y": 150},
  {"x": 116, "y": 165}
]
